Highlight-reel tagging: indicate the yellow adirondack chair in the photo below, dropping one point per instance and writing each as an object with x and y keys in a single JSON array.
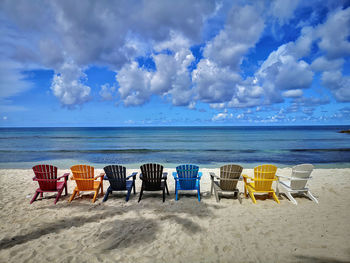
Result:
[
  {"x": 264, "y": 175},
  {"x": 85, "y": 180}
]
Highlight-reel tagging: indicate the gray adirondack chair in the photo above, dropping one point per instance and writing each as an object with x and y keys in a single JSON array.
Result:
[
  {"x": 227, "y": 181},
  {"x": 296, "y": 182}
]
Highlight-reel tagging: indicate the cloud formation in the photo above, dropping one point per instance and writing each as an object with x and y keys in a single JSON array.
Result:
[{"x": 226, "y": 72}]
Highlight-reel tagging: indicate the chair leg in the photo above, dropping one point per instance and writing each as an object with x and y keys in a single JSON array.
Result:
[
  {"x": 58, "y": 195},
  {"x": 96, "y": 193},
  {"x": 239, "y": 197},
  {"x": 245, "y": 191},
  {"x": 211, "y": 188},
  {"x": 133, "y": 185},
  {"x": 72, "y": 196},
  {"x": 308, "y": 194},
  {"x": 128, "y": 195},
  {"x": 163, "y": 194},
  {"x": 166, "y": 186},
  {"x": 106, "y": 195},
  {"x": 291, "y": 198},
  {"x": 65, "y": 189},
  {"x": 34, "y": 197},
  {"x": 41, "y": 194},
  {"x": 216, "y": 196},
  {"x": 176, "y": 192},
  {"x": 199, "y": 194},
  {"x": 252, "y": 196},
  {"x": 141, "y": 192},
  {"x": 275, "y": 197}
]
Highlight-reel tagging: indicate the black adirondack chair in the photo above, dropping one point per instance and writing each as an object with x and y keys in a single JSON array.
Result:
[
  {"x": 116, "y": 175},
  {"x": 153, "y": 179}
]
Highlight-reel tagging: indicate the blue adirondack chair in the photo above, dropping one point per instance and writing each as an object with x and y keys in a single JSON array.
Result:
[
  {"x": 116, "y": 175},
  {"x": 187, "y": 177}
]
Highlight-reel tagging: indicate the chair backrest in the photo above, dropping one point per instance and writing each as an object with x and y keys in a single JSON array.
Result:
[
  {"x": 187, "y": 172},
  {"x": 230, "y": 171},
  {"x": 300, "y": 171},
  {"x": 152, "y": 176},
  {"x": 117, "y": 176},
  {"x": 265, "y": 171},
  {"x": 45, "y": 171},
  {"x": 81, "y": 171}
]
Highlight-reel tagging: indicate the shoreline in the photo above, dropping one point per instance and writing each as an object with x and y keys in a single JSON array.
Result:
[
  {"x": 153, "y": 231},
  {"x": 66, "y": 164}
]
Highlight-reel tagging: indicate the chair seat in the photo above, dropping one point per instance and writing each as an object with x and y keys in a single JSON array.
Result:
[
  {"x": 127, "y": 187},
  {"x": 95, "y": 187},
  {"x": 217, "y": 186},
  {"x": 288, "y": 185},
  {"x": 179, "y": 187}
]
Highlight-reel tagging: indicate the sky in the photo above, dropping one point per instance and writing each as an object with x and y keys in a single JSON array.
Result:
[{"x": 174, "y": 63}]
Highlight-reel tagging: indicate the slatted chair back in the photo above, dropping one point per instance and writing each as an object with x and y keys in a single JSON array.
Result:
[
  {"x": 186, "y": 174},
  {"x": 230, "y": 171},
  {"x": 84, "y": 176},
  {"x": 45, "y": 171},
  {"x": 152, "y": 176},
  {"x": 300, "y": 171},
  {"x": 117, "y": 176},
  {"x": 265, "y": 171}
]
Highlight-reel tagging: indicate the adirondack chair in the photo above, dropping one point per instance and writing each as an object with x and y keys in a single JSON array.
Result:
[
  {"x": 153, "y": 179},
  {"x": 229, "y": 176},
  {"x": 296, "y": 183},
  {"x": 46, "y": 176},
  {"x": 116, "y": 175},
  {"x": 187, "y": 177},
  {"x": 85, "y": 180},
  {"x": 264, "y": 175}
]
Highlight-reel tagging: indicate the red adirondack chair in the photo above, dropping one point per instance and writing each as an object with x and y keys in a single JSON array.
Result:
[{"x": 46, "y": 175}]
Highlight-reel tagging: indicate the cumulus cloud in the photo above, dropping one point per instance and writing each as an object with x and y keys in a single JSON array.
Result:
[
  {"x": 68, "y": 86},
  {"x": 338, "y": 84},
  {"x": 114, "y": 34}
]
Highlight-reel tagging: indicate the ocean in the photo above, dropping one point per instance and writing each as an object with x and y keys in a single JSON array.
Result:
[{"x": 208, "y": 147}]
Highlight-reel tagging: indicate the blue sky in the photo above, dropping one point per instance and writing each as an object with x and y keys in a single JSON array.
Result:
[{"x": 155, "y": 62}]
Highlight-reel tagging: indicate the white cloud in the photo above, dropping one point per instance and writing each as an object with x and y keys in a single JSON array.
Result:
[
  {"x": 338, "y": 84},
  {"x": 222, "y": 116},
  {"x": 107, "y": 92},
  {"x": 283, "y": 10},
  {"x": 293, "y": 93},
  {"x": 242, "y": 30},
  {"x": 67, "y": 85}
]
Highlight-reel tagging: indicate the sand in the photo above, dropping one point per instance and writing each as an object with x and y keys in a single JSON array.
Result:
[{"x": 175, "y": 231}]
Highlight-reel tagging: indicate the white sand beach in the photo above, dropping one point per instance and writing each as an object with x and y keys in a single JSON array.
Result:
[{"x": 175, "y": 231}]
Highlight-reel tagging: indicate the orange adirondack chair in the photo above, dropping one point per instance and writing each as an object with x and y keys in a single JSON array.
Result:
[
  {"x": 85, "y": 180},
  {"x": 264, "y": 175}
]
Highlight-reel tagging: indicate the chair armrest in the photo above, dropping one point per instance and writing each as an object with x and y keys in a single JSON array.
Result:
[
  {"x": 105, "y": 177},
  {"x": 132, "y": 175},
  {"x": 98, "y": 176},
  {"x": 283, "y": 176},
  {"x": 65, "y": 175},
  {"x": 200, "y": 174},
  {"x": 213, "y": 175},
  {"x": 247, "y": 177},
  {"x": 175, "y": 175},
  {"x": 165, "y": 176}
]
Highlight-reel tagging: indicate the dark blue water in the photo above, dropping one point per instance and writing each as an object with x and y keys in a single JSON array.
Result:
[{"x": 206, "y": 146}]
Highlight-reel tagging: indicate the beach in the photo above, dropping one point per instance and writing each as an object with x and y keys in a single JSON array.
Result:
[{"x": 175, "y": 231}]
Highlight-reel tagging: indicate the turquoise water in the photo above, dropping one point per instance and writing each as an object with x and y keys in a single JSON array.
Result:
[{"x": 170, "y": 146}]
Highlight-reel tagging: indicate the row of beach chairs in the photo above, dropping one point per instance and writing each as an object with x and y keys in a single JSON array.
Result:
[{"x": 187, "y": 177}]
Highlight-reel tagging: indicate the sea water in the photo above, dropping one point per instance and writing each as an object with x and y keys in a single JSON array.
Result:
[{"x": 322, "y": 146}]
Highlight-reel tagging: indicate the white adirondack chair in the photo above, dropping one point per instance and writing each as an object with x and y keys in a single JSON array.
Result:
[{"x": 296, "y": 183}]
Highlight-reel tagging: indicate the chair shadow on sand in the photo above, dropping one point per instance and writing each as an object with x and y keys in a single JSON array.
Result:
[{"x": 116, "y": 233}]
